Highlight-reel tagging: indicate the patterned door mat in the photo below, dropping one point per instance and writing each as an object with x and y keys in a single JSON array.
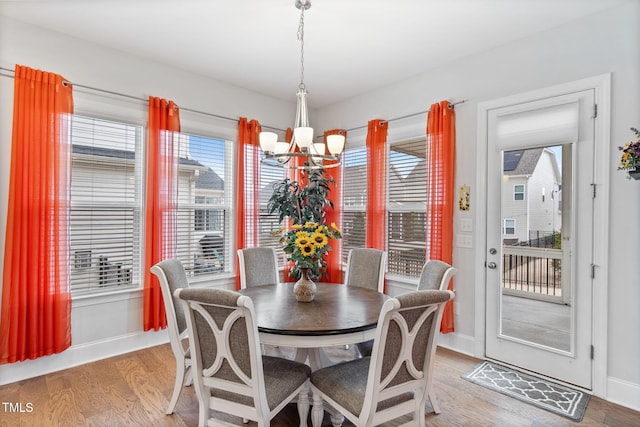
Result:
[{"x": 559, "y": 399}]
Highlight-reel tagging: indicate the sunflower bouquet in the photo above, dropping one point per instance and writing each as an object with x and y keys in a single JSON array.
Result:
[
  {"x": 306, "y": 244},
  {"x": 630, "y": 156}
]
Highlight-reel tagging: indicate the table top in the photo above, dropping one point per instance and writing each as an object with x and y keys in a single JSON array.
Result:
[{"x": 336, "y": 310}]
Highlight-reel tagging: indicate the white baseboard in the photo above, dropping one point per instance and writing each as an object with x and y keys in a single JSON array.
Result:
[
  {"x": 81, "y": 354},
  {"x": 623, "y": 393},
  {"x": 464, "y": 344}
]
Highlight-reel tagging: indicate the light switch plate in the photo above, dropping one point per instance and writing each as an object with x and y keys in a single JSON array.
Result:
[
  {"x": 464, "y": 240},
  {"x": 466, "y": 225}
]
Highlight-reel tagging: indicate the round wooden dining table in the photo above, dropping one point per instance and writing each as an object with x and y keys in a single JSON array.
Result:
[{"x": 339, "y": 315}]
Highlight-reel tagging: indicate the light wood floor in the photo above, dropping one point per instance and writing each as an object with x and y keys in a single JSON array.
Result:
[{"x": 133, "y": 390}]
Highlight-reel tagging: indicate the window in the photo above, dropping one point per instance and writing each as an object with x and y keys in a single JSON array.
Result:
[
  {"x": 518, "y": 192},
  {"x": 407, "y": 208},
  {"x": 269, "y": 223},
  {"x": 104, "y": 221},
  {"x": 206, "y": 220},
  {"x": 509, "y": 227},
  {"x": 106, "y": 204},
  {"x": 354, "y": 163},
  {"x": 204, "y": 205}
]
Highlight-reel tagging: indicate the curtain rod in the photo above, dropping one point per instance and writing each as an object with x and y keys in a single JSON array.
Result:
[
  {"x": 451, "y": 105},
  {"x": 137, "y": 98}
]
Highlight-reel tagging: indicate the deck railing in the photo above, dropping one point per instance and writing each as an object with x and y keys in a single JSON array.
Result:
[{"x": 532, "y": 270}]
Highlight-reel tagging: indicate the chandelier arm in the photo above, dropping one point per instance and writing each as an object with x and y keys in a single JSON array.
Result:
[
  {"x": 315, "y": 161},
  {"x": 272, "y": 161}
]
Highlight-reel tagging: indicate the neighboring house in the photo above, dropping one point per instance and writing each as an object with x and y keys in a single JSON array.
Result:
[
  {"x": 406, "y": 208},
  {"x": 531, "y": 195}
]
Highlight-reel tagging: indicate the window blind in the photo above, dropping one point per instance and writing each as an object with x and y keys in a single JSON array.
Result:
[
  {"x": 269, "y": 223},
  {"x": 407, "y": 208},
  {"x": 544, "y": 126},
  {"x": 105, "y": 204},
  {"x": 354, "y": 165}
]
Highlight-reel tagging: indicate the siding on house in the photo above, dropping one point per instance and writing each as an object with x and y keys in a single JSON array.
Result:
[{"x": 537, "y": 170}]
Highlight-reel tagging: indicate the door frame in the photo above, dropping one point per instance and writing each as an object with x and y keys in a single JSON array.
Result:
[{"x": 601, "y": 84}]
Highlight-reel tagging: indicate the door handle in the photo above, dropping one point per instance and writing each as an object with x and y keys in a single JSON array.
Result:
[{"x": 492, "y": 265}]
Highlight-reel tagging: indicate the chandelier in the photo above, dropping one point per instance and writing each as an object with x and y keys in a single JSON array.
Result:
[{"x": 315, "y": 155}]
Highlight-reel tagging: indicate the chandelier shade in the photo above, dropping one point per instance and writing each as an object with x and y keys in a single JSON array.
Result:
[{"x": 278, "y": 153}]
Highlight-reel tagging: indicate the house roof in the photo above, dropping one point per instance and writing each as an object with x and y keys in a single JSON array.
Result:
[
  {"x": 122, "y": 154},
  {"x": 521, "y": 162},
  {"x": 209, "y": 180}
]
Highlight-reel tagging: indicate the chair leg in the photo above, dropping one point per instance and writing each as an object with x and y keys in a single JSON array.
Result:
[
  {"x": 434, "y": 402},
  {"x": 203, "y": 412},
  {"x": 303, "y": 406},
  {"x": 317, "y": 413},
  {"x": 337, "y": 419},
  {"x": 177, "y": 388}
]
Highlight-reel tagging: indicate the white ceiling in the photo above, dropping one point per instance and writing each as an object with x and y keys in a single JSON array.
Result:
[{"x": 351, "y": 46}]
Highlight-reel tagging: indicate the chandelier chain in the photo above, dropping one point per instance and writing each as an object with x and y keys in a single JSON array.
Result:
[{"x": 301, "y": 38}]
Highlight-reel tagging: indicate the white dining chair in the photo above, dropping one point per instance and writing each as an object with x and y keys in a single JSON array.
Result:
[
  {"x": 258, "y": 266},
  {"x": 171, "y": 275},
  {"x": 366, "y": 268},
  {"x": 397, "y": 378},
  {"x": 230, "y": 372},
  {"x": 435, "y": 274}
]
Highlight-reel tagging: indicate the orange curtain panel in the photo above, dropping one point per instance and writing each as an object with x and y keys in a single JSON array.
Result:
[
  {"x": 36, "y": 301},
  {"x": 376, "y": 231},
  {"x": 160, "y": 203},
  {"x": 334, "y": 257},
  {"x": 294, "y": 175},
  {"x": 441, "y": 158},
  {"x": 248, "y": 179}
]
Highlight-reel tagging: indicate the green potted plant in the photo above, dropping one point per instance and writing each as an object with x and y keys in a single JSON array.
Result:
[
  {"x": 630, "y": 156},
  {"x": 306, "y": 238}
]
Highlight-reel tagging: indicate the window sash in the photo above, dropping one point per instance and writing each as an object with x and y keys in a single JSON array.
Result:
[
  {"x": 204, "y": 198},
  {"x": 509, "y": 227},
  {"x": 407, "y": 198},
  {"x": 518, "y": 192},
  {"x": 105, "y": 204}
]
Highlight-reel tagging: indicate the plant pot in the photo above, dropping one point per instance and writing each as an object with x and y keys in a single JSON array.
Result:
[
  {"x": 304, "y": 289},
  {"x": 634, "y": 173}
]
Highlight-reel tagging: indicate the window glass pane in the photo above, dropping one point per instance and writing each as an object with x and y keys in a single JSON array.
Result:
[
  {"x": 510, "y": 227},
  {"x": 407, "y": 207},
  {"x": 204, "y": 172},
  {"x": 105, "y": 204},
  {"x": 518, "y": 192}
]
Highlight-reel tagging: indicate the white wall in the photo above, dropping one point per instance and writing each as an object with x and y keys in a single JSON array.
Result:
[
  {"x": 108, "y": 325},
  {"x": 608, "y": 42}
]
